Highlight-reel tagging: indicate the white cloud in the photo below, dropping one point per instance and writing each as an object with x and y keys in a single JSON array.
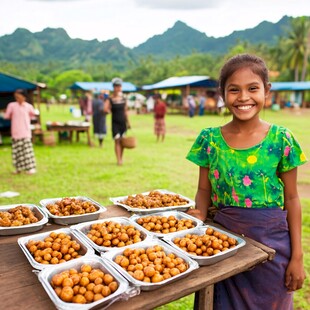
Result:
[{"x": 178, "y": 4}]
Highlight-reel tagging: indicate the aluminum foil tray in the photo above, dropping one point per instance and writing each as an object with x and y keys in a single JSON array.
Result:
[
  {"x": 144, "y": 286},
  {"x": 24, "y": 229},
  {"x": 207, "y": 260},
  {"x": 177, "y": 214},
  {"x": 118, "y": 201},
  {"x": 73, "y": 219},
  {"x": 84, "y": 228},
  {"x": 123, "y": 292},
  {"x": 85, "y": 250}
]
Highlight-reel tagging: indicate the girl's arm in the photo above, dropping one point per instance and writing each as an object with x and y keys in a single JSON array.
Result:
[
  {"x": 8, "y": 112},
  {"x": 203, "y": 195},
  {"x": 295, "y": 274}
]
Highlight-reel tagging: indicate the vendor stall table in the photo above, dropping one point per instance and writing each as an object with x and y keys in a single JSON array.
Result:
[
  {"x": 85, "y": 127},
  {"x": 20, "y": 288}
]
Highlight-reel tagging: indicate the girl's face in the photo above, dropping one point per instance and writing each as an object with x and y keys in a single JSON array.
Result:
[{"x": 245, "y": 94}]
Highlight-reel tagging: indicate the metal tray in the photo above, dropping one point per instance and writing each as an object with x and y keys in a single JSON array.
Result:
[
  {"x": 177, "y": 214},
  {"x": 84, "y": 228},
  {"x": 118, "y": 201},
  {"x": 86, "y": 250},
  {"x": 73, "y": 219},
  {"x": 25, "y": 229},
  {"x": 144, "y": 286},
  {"x": 207, "y": 260},
  {"x": 123, "y": 292}
]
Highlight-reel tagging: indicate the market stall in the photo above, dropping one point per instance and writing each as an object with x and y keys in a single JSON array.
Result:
[{"x": 20, "y": 286}]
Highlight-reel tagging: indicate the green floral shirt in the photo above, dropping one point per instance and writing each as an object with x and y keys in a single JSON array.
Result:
[{"x": 247, "y": 177}]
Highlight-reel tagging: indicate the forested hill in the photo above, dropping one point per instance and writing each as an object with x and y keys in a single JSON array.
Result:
[
  {"x": 55, "y": 44},
  {"x": 183, "y": 40}
]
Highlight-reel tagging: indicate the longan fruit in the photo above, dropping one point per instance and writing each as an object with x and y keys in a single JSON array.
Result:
[
  {"x": 66, "y": 294},
  {"x": 75, "y": 278},
  {"x": 97, "y": 288},
  {"x": 98, "y": 296},
  {"x": 89, "y": 296},
  {"x": 57, "y": 280},
  {"x": 107, "y": 279},
  {"x": 54, "y": 260},
  {"x": 58, "y": 290},
  {"x": 79, "y": 299},
  {"x": 76, "y": 289},
  {"x": 174, "y": 271},
  {"x": 113, "y": 286},
  {"x": 157, "y": 278},
  {"x": 86, "y": 268},
  {"x": 106, "y": 291},
  {"x": 84, "y": 281},
  {"x": 139, "y": 275},
  {"x": 147, "y": 279},
  {"x": 90, "y": 286},
  {"x": 82, "y": 290},
  {"x": 209, "y": 231}
]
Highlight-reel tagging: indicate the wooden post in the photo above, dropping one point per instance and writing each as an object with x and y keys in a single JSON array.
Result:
[{"x": 204, "y": 298}]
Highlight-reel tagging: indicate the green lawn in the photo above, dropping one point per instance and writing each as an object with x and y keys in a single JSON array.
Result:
[{"x": 69, "y": 170}]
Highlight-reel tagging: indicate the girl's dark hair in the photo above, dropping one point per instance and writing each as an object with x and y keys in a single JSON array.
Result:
[
  {"x": 255, "y": 63},
  {"x": 22, "y": 92}
]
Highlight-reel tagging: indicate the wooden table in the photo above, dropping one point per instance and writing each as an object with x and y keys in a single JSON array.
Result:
[
  {"x": 20, "y": 288},
  {"x": 71, "y": 129}
]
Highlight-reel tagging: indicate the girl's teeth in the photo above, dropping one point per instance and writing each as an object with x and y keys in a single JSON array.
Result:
[{"x": 244, "y": 107}]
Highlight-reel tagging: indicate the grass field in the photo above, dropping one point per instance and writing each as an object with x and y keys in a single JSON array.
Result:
[{"x": 76, "y": 169}]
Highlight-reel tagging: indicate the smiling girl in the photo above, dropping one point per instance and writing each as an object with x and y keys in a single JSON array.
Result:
[{"x": 248, "y": 172}]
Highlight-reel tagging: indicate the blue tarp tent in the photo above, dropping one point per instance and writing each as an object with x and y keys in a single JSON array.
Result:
[
  {"x": 290, "y": 86},
  {"x": 100, "y": 86},
  {"x": 183, "y": 81}
]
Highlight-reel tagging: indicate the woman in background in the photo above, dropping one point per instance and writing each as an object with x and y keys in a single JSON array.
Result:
[
  {"x": 20, "y": 113},
  {"x": 99, "y": 119},
  {"x": 117, "y": 106},
  {"x": 159, "y": 114}
]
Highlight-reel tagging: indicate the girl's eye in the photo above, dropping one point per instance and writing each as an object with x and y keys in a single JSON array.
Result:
[
  {"x": 253, "y": 88},
  {"x": 233, "y": 90}
]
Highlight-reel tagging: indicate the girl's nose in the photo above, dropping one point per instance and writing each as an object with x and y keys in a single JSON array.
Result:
[{"x": 243, "y": 96}]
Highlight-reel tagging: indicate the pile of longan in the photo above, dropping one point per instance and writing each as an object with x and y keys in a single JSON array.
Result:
[
  {"x": 54, "y": 249},
  {"x": 71, "y": 206},
  {"x": 208, "y": 244},
  {"x": 154, "y": 199},
  {"x": 18, "y": 216},
  {"x": 151, "y": 265},
  {"x": 165, "y": 225},
  {"x": 112, "y": 234},
  {"x": 84, "y": 286}
]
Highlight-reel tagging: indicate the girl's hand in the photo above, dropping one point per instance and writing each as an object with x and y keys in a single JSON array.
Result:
[
  {"x": 295, "y": 274},
  {"x": 196, "y": 213}
]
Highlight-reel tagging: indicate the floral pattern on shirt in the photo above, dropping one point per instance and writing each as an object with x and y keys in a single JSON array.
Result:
[{"x": 247, "y": 177}]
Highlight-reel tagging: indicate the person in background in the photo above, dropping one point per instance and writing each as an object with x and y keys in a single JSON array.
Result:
[
  {"x": 191, "y": 105},
  {"x": 82, "y": 104},
  {"x": 99, "y": 118},
  {"x": 20, "y": 113},
  {"x": 116, "y": 104},
  {"x": 160, "y": 110},
  {"x": 88, "y": 107},
  {"x": 202, "y": 101}
]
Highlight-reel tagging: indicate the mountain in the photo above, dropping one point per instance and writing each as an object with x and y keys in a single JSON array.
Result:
[
  {"x": 183, "y": 40},
  {"x": 56, "y": 45}
]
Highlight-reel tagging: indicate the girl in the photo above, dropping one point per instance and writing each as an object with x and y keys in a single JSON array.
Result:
[
  {"x": 117, "y": 105},
  {"x": 248, "y": 171},
  {"x": 99, "y": 119},
  {"x": 20, "y": 114}
]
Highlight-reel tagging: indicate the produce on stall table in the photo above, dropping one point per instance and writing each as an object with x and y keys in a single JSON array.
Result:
[{"x": 17, "y": 216}]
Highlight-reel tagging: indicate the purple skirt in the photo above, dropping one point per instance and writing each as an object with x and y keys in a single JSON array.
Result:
[{"x": 263, "y": 287}]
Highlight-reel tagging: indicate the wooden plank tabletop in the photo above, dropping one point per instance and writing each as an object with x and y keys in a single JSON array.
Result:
[{"x": 20, "y": 287}]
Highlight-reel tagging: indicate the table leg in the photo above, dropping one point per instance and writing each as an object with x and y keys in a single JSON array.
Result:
[
  {"x": 204, "y": 298},
  {"x": 88, "y": 138},
  {"x": 70, "y": 136},
  {"x": 77, "y": 136}
]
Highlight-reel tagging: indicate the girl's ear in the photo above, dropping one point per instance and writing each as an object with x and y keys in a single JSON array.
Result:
[{"x": 267, "y": 90}]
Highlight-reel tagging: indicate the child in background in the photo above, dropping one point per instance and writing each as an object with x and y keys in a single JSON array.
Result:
[
  {"x": 160, "y": 110},
  {"x": 248, "y": 172},
  {"x": 20, "y": 113}
]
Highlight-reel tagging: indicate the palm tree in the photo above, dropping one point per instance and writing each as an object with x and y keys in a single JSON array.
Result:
[{"x": 297, "y": 47}]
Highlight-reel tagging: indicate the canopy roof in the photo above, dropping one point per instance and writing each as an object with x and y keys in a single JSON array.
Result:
[
  {"x": 293, "y": 86},
  {"x": 9, "y": 84},
  {"x": 182, "y": 81},
  {"x": 99, "y": 86}
]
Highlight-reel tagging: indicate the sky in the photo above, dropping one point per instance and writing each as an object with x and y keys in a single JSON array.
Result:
[{"x": 135, "y": 21}]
